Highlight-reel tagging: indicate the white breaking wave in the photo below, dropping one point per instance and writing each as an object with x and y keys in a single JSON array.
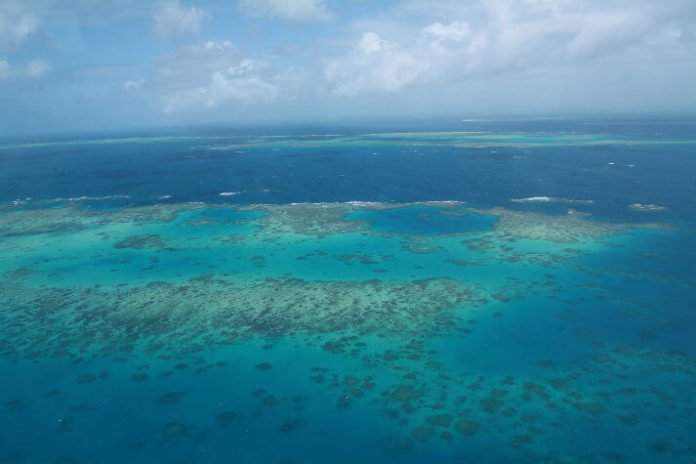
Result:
[
  {"x": 380, "y": 204},
  {"x": 646, "y": 208},
  {"x": 88, "y": 198},
  {"x": 545, "y": 199}
]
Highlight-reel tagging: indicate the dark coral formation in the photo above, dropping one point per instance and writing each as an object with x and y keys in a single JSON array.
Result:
[
  {"x": 173, "y": 430},
  {"x": 227, "y": 418},
  {"x": 139, "y": 242},
  {"x": 264, "y": 366},
  {"x": 467, "y": 427},
  {"x": 170, "y": 398},
  {"x": 220, "y": 311}
]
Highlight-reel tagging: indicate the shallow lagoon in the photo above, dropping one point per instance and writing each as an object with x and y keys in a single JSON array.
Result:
[{"x": 345, "y": 332}]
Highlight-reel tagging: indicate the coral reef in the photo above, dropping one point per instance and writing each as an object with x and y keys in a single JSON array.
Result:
[
  {"x": 219, "y": 311},
  {"x": 358, "y": 343}
]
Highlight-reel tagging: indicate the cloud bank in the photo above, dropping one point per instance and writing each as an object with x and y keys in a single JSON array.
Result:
[
  {"x": 212, "y": 74},
  {"x": 111, "y": 62},
  {"x": 487, "y": 38}
]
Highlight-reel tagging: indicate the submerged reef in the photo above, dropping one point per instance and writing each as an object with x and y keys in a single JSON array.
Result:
[
  {"x": 138, "y": 242},
  {"x": 572, "y": 227},
  {"x": 226, "y": 306},
  {"x": 218, "y": 311},
  {"x": 311, "y": 219},
  {"x": 568, "y": 228},
  {"x": 412, "y": 348},
  {"x": 74, "y": 218},
  {"x": 323, "y": 219},
  {"x": 315, "y": 219}
]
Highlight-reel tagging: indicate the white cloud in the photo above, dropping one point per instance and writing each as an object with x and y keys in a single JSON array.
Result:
[
  {"x": 212, "y": 75},
  {"x": 32, "y": 69},
  {"x": 485, "y": 38},
  {"x": 16, "y": 25},
  {"x": 171, "y": 19},
  {"x": 371, "y": 43},
  {"x": 374, "y": 65},
  {"x": 36, "y": 68},
  {"x": 287, "y": 10},
  {"x": 455, "y": 31},
  {"x": 133, "y": 84},
  {"x": 241, "y": 83}
]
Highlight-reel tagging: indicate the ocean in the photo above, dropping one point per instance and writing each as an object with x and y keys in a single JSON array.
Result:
[{"x": 489, "y": 291}]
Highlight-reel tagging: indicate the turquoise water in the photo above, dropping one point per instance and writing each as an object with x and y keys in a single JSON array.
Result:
[{"x": 148, "y": 319}]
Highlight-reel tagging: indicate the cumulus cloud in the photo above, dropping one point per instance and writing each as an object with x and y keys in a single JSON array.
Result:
[
  {"x": 373, "y": 65},
  {"x": 486, "y": 38},
  {"x": 16, "y": 25},
  {"x": 287, "y": 10},
  {"x": 36, "y": 68},
  {"x": 171, "y": 19},
  {"x": 31, "y": 69},
  {"x": 133, "y": 84},
  {"x": 214, "y": 74},
  {"x": 455, "y": 31}
]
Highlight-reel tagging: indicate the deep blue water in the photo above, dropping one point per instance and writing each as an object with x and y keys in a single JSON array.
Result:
[
  {"x": 207, "y": 294},
  {"x": 394, "y": 172}
]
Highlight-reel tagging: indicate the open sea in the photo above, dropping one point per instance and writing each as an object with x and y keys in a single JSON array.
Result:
[{"x": 511, "y": 291}]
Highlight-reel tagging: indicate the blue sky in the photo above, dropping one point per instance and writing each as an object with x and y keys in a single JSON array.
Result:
[{"x": 70, "y": 65}]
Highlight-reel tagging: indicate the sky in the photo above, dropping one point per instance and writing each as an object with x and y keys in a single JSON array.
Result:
[{"x": 73, "y": 65}]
